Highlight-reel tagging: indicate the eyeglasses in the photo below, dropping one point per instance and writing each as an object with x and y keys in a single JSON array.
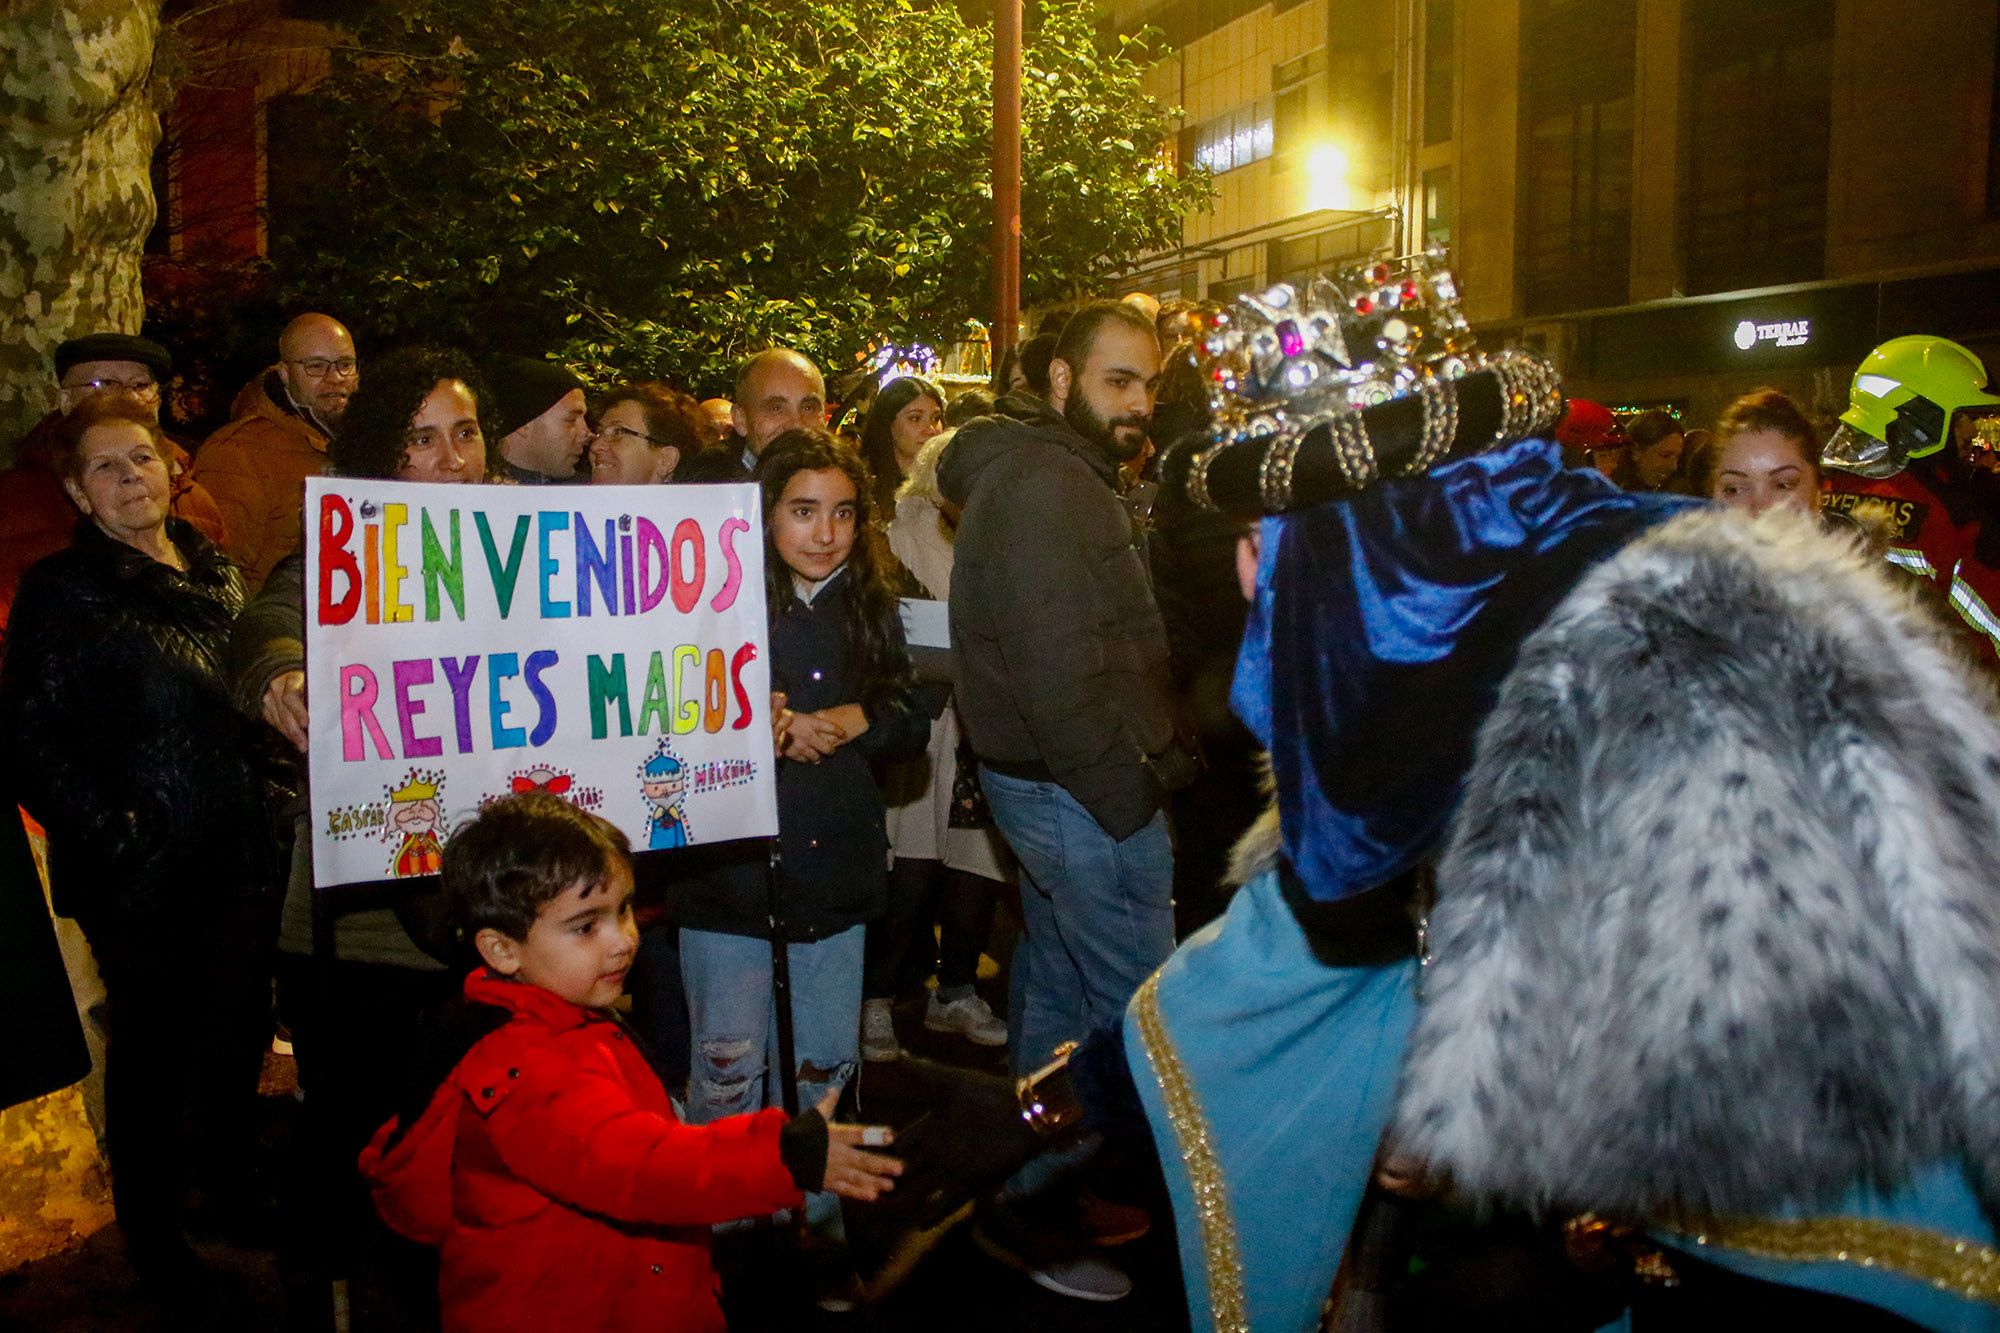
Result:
[
  {"x": 319, "y": 367},
  {"x": 619, "y": 434},
  {"x": 137, "y": 388}
]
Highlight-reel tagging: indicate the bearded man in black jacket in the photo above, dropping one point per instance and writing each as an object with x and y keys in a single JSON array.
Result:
[{"x": 1063, "y": 675}]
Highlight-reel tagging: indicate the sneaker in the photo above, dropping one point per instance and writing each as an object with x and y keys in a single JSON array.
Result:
[
  {"x": 878, "y": 1031},
  {"x": 839, "y": 1290},
  {"x": 970, "y": 1017},
  {"x": 1081, "y": 1277},
  {"x": 1109, "y": 1223}
]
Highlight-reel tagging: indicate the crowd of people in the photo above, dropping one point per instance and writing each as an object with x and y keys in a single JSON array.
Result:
[{"x": 932, "y": 807}]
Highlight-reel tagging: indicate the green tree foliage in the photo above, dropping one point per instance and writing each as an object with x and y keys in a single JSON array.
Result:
[{"x": 654, "y": 187}]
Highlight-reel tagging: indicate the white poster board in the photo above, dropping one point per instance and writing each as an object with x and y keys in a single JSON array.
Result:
[{"x": 605, "y": 643}]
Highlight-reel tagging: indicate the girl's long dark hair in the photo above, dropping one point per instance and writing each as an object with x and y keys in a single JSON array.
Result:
[
  {"x": 879, "y": 662},
  {"x": 878, "y": 445}
]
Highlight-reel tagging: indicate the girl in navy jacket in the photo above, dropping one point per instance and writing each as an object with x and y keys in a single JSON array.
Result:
[{"x": 839, "y": 658}]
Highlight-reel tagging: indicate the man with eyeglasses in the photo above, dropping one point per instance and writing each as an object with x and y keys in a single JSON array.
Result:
[
  {"x": 257, "y": 465},
  {"x": 36, "y": 516}
]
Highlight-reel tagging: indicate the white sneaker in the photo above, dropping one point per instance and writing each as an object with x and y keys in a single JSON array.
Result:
[
  {"x": 1081, "y": 1277},
  {"x": 878, "y": 1032},
  {"x": 969, "y": 1016}
]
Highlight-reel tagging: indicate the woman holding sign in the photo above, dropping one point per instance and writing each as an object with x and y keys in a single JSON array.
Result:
[
  {"x": 838, "y": 655},
  {"x": 123, "y": 743},
  {"x": 417, "y": 417}
]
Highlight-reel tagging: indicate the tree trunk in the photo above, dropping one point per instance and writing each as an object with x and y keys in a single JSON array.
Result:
[{"x": 77, "y": 130}]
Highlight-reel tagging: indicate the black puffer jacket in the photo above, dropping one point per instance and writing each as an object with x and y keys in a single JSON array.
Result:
[
  {"x": 830, "y": 815},
  {"x": 1061, "y": 653},
  {"x": 118, "y": 725}
]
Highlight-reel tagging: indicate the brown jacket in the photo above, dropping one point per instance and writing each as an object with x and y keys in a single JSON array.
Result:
[{"x": 256, "y": 468}]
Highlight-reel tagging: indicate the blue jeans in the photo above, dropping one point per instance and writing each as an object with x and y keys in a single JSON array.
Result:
[
  {"x": 733, "y": 1026},
  {"x": 1099, "y": 911}
]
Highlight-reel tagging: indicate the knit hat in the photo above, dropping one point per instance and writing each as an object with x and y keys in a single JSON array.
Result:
[
  {"x": 524, "y": 387},
  {"x": 113, "y": 347}
]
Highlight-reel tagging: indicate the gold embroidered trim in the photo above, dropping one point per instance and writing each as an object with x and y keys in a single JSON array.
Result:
[
  {"x": 1962, "y": 1267},
  {"x": 1211, "y": 1198}
]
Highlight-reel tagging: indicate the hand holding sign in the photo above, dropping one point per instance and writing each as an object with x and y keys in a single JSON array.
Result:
[{"x": 285, "y": 706}]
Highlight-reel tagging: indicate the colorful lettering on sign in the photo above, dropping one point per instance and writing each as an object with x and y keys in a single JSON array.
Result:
[
  {"x": 444, "y": 569},
  {"x": 675, "y": 701},
  {"x": 358, "y": 691},
  {"x": 506, "y": 573}
]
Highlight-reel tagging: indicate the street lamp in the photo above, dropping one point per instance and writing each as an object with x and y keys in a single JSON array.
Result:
[{"x": 1326, "y": 177}]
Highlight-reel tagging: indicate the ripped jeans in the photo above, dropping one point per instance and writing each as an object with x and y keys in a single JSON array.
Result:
[{"x": 734, "y": 1028}]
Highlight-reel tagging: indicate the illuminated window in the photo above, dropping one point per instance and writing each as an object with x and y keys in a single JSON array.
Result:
[
  {"x": 1437, "y": 206},
  {"x": 1235, "y": 139}
]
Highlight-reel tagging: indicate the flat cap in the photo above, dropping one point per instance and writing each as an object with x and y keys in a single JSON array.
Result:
[{"x": 113, "y": 347}]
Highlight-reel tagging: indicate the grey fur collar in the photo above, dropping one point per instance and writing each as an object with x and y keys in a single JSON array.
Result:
[
  {"x": 1257, "y": 850},
  {"x": 1717, "y": 927}
]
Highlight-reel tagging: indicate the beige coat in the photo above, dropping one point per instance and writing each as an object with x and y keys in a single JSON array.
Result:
[{"x": 918, "y": 793}]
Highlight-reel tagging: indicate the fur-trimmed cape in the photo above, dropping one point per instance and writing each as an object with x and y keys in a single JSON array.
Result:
[{"x": 1718, "y": 927}]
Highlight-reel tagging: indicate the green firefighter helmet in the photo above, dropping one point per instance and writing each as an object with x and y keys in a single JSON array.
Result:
[{"x": 1901, "y": 404}]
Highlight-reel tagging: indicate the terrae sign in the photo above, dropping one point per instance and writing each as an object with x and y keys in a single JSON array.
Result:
[
  {"x": 1782, "y": 333},
  {"x": 602, "y": 643}
]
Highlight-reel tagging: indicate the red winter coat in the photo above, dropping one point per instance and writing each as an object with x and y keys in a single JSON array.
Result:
[{"x": 551, "y": 1172}]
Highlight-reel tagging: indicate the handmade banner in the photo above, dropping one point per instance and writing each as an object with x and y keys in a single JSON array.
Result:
[{"x": 604, "y": 643}]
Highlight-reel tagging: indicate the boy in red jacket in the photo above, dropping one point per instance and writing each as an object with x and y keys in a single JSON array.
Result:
[{"x": 549, "y": 1167}]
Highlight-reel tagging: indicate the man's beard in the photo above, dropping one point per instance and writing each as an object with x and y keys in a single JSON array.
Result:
[{"x": 1103, "y": 434}]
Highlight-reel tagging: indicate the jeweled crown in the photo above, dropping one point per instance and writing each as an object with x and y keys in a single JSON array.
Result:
[{"x": 1284, "y": 361}]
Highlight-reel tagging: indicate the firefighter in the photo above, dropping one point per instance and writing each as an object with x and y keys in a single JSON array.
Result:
[{"x": 1897, "y": 462}]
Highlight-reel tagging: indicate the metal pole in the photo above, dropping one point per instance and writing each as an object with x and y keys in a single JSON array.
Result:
[
  {"x": 1006, "y": 175},
  {"x": 781, "y": 981}
]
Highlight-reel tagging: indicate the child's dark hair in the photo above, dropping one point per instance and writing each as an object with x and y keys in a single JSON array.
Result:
[
  {"x": 519, "y": 856},
  {"x": 871, "y": 595}
]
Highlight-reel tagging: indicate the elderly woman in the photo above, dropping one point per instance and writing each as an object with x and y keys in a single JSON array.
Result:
[
  {"x": 121, "y": 740},
  {"x": 950, "y": 862},
  {"x": 644, "y": 433}
]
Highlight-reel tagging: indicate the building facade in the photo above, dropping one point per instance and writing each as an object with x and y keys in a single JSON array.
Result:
[{"x": 1675, "y": 200}]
